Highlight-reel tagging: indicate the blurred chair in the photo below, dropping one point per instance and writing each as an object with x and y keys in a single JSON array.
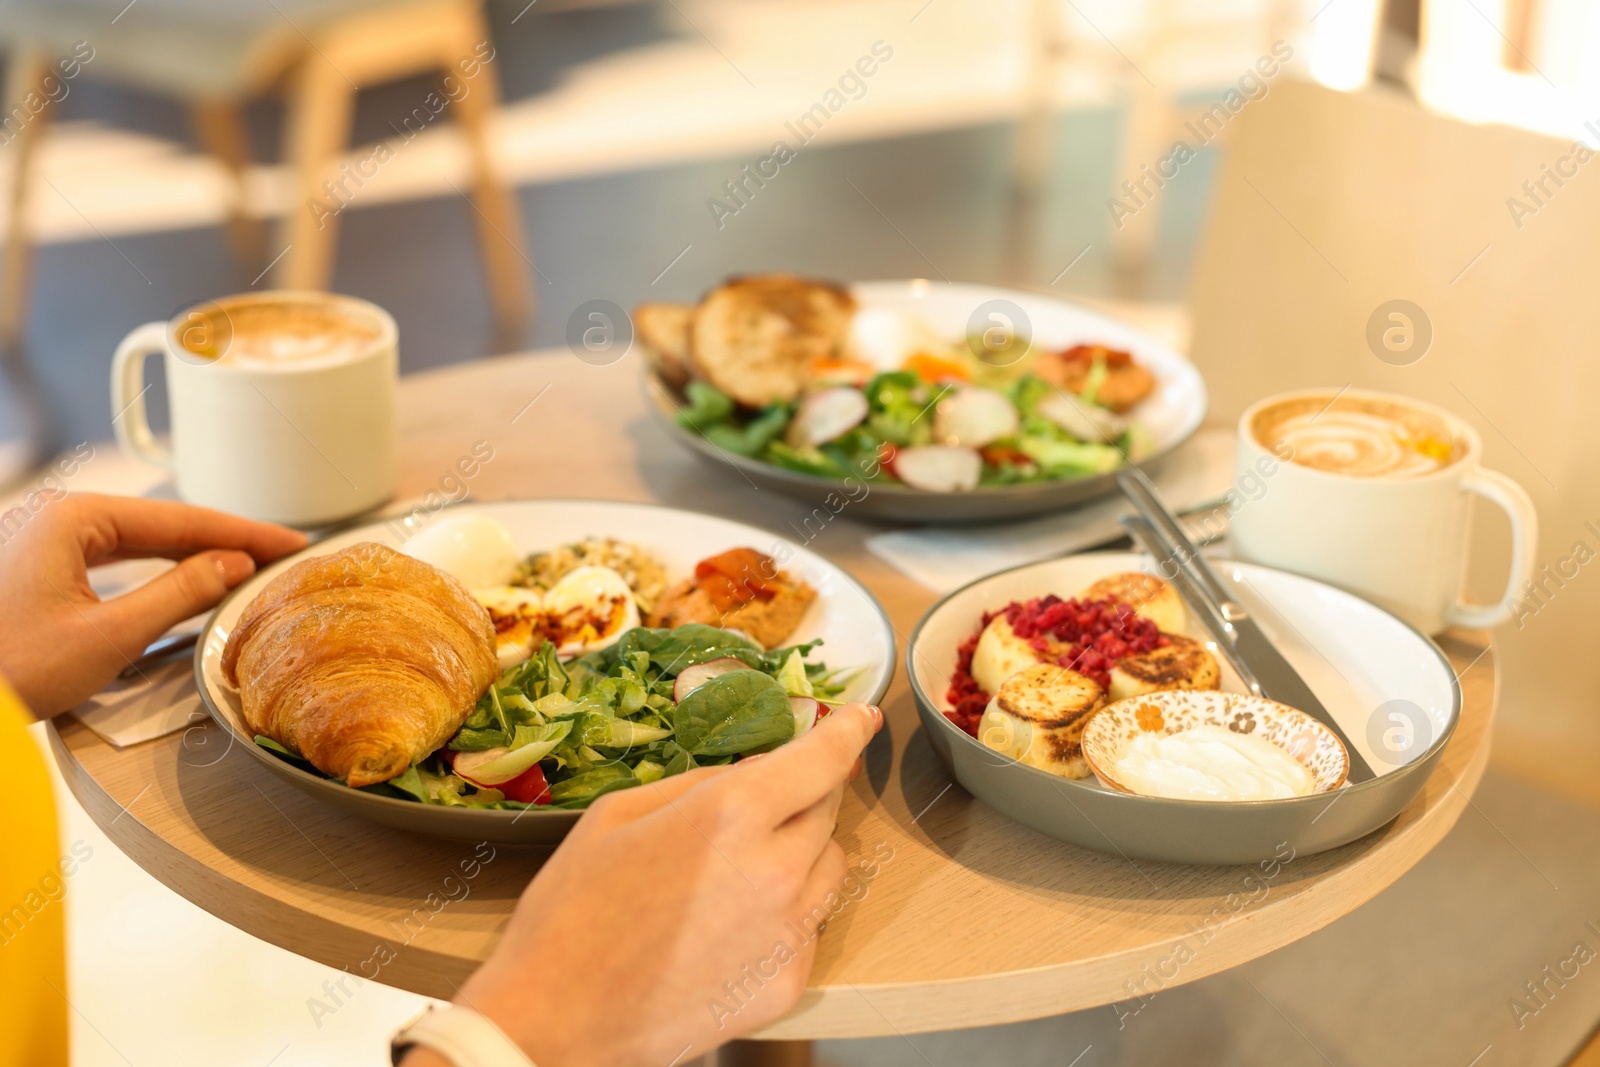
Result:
[
  {"x": 1331, "y": 204},
  {"x": 1154, "y": 53},
  {"x": 215, "y": 56}
]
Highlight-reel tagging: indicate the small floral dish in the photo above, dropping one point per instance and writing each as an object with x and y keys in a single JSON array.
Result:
[{"x": 1163, "y": 714}]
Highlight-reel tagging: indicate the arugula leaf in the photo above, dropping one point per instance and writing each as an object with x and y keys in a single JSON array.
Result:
[{"x": 733, "y": 713}]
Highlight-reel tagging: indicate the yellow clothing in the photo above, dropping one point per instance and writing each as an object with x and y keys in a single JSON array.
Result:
[{"x": 33, "y": 984}]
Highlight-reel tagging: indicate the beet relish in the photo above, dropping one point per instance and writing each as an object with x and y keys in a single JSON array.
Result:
[{"x": 1087, "y": 636}]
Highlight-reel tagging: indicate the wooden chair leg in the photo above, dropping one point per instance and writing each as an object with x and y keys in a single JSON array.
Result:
[
  {"x": 24, "y": 74},
  {"x": 499, "y": 221},
  {"x": 221, "y": 128},
  {"x": 320, "y": 107}
]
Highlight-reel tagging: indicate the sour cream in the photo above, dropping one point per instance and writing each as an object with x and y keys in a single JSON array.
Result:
[{"x": 1211, "y": 763}]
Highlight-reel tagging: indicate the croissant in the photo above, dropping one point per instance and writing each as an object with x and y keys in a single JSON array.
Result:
[{"x": 362, "y": 661}]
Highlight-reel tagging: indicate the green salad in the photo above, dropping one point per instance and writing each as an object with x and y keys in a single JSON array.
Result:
[
  {"x": 939, "y": 436},
  {"x": 563, "y": 734}
]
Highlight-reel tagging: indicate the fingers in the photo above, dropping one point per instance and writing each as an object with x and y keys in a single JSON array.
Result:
[
  {"x": 825, "y": 876},
  {"x": 804, "y": 771},
  {"x": 808, "y": 831},
  {"x": 114, "y": 527},
  {"x": 197, "y": 584}
]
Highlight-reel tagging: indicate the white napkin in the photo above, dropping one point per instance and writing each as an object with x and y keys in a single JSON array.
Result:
[
  {"x": 164, "y": 700},
  {"x": 1196, "y": 475},
  {"x": 127, "y": 712}
]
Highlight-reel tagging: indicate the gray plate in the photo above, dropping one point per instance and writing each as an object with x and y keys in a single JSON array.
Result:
[
  {"x": 1172, "y": 413},
  {"x": 1363, "y": 663},
  {"x": 845, "y": 615}
]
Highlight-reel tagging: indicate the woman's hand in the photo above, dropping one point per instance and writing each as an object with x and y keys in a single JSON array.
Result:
[
  {"x": 59, "y": 642},
  {"x": 679, "y": 915}
]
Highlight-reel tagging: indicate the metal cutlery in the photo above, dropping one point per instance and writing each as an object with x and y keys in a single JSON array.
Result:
[{"x": 1259, "y": 664}]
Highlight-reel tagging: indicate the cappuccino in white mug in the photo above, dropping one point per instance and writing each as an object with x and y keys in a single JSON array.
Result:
[
  {"x": 283, "y": 404},
  {"x": 1376, "y": 498},
  {"x": 1357, "y": 436}
]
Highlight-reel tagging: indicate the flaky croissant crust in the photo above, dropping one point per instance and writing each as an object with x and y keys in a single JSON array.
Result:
[{"x": 362, "y": 661}]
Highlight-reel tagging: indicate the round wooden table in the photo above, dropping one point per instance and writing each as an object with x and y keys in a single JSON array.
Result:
[{"x": 969, "y": 919}]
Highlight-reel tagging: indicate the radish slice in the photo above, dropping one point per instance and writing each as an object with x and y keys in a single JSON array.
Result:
[
  {"x": 806, "y": 713},
  {"x": 1081, "y": 419},
  {"x": 974, "y": 417},
  {"x": 693, "y": 678},
  {"x": 825, "y": 415},
  {"x": 939, "y": 468},
  {"x": 471, "y": 766}
]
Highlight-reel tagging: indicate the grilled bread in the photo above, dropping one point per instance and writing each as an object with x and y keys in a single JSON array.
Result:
[
  {"x": 1150, "y": 597},
  {"x": 1038, "y": 716},
  {"x": 663, "y": 330},
  {"x": 756, "y": 338},
  {"x": 1184, "y": 664}
]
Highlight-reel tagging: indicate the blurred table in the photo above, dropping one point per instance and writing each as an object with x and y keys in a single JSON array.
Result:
[{"x": 974, "y": 920}]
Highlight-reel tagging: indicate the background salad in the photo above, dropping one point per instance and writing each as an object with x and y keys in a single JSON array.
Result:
[{"x": 929, "y": 432}]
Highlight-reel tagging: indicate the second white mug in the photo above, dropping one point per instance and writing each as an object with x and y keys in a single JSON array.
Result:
[{"x": 1399, "y": 539}]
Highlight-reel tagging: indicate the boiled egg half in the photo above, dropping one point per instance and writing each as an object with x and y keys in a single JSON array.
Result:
[
  {"x": 518, "y": 617},
  {"x": 474, "y": 549},
  {"x": 588, "y": 609},
  {"x": 885, "y": 338}
]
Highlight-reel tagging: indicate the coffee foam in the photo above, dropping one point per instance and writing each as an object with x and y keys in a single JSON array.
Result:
[
  {"x": 277, "y": 332},
  {"x": 1358, "y": 437}
]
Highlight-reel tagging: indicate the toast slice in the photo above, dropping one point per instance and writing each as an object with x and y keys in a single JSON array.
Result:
[
  {"x": 663, "y": 330},
  {"x": 755, "y": 338}
]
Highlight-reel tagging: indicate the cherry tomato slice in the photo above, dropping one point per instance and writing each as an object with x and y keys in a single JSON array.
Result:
[{"x": 529, "y": 787}]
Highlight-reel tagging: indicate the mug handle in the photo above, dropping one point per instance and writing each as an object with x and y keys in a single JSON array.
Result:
[
  {"x": 127, "y": 394},
  {"x": 1515, "y": 502}
]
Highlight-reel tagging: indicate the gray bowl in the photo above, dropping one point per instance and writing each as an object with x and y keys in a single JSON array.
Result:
[
  {"x": 1308, "y": 621},
  {"x": 1172, "y": 413}
]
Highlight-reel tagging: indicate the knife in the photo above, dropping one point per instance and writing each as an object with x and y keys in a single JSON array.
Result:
[{"x": 1259, "y": 664}]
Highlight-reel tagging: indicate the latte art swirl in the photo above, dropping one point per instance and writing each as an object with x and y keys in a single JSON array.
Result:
[{"x": 1357, "y": 438}]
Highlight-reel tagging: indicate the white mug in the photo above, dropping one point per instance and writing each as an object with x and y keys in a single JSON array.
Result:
[
  {"x": 304, "y": 442},
  {"x": 1399, "y": 541}
]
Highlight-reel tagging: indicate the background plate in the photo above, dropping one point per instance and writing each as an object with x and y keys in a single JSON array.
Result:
[
  {"x": 1365, "y": 665},
  {"x": 853, "y": 627},
  {"x": 1171, "y": 413}
]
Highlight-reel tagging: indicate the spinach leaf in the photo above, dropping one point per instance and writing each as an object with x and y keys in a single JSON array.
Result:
[
  {"x": 671, "y": 651},
  {"x": 733, "y": 713}
]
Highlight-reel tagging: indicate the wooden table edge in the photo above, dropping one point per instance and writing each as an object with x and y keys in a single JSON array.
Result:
[
  {"x": 852, "y": 1011},
  {"x": 417, "y": 969}
]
